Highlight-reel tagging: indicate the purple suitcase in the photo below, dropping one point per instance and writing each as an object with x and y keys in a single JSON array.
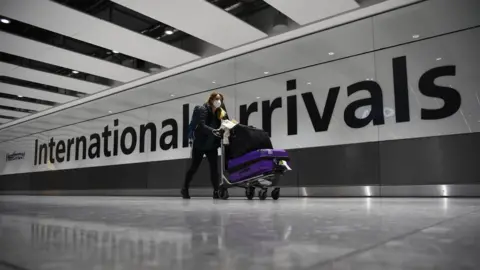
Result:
[{"x": 255, "y": 163}]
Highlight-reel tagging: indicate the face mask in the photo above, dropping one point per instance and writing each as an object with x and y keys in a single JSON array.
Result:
[{"x": 217, "y": 103}]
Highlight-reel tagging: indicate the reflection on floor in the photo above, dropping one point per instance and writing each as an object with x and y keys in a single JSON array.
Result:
[{"x": 168, "y": 233}]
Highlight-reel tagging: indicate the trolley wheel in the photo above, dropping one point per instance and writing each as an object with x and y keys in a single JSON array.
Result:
[
  {"x": 276, "y": 193},
  {"x": 223, "y": 193},
  {"x": 262, "y": 194},
  {"x": 250, "y": 192}
]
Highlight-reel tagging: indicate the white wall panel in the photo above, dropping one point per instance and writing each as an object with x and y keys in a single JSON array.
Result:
[
  {"x": 306, "y": 51},
  {"x": 198, "y": 18},
  {"x": 12, "y": 113},
  {"x": 459, "y": 50},
  {"x": 69, "y": 22},
  {"x": 23, "y": 105},
  {"x": 132, "y": 119},
  {"x": 316, "y": 80},
  {"x": 33, "y": 93},
  {"x": 47, "y": 78},
  {"x": 222, "y": 73},
  {"x": 27, "y": 129},
  {"x": 42, "y": 52},
  {"x": 308, "y": 11},
  {"x": 434, "y": 17}
]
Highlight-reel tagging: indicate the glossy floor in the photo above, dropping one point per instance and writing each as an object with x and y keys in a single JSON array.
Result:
[{"x": 170, "y": 233}]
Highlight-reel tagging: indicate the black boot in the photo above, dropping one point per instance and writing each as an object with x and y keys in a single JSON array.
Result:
[
  {"x": 185, "y": 193},
  {"x": 215, "y": 194}
]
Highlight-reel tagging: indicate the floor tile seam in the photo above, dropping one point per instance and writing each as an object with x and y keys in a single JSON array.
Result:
[{"x": 398, "y": 237}]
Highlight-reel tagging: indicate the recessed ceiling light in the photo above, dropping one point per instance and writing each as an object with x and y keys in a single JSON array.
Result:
[
  {"x": 109, "y": 111},
  {"x": 331, "y": 53},
  {"x": 169, "y": 32},
  {"x": 75, "y": 72},
  {"x": 115, "y": 51},
  {"x": 172, "y": 95},
  {"x": 266, "y": 72},
  {"x": 438, "y": 59},
  {"x": 309, "y": 83},
  {"x": 214, "y": 82},
  {"x": 416, "y": 36},
  {"x": 5, "y": 21},
  {"x": 20, "y": 96},
  {"x": 258, "y": 97}
]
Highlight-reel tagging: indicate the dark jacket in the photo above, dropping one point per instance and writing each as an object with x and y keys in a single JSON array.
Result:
[{"x": 207, "y": 122}]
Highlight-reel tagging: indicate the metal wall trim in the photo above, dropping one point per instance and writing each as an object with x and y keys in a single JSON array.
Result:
[
  {"x": 339, "y": 191},
  {"x": 470, "y": 190},
  {"x": 313, "y": 191}
]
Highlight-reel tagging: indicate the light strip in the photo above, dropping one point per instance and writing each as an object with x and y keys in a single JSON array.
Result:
[
  {"x": 23, "y": 105},
  {"x": 47, "y": 78},
  {"x": 200, "y": 19},
  {"x": 28, "y": 48},
  {"x": 12, "y": 113},
  {"x": 12, "y": 89}
]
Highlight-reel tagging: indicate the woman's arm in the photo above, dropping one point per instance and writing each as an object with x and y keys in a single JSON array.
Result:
[{"x": 203, "y": 112}]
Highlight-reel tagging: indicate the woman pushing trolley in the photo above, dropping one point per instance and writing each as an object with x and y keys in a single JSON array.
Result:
[{"x": 248, "y": 159}]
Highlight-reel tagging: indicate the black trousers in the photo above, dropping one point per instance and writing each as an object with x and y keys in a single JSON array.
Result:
[{"x": 196, "y": 160}]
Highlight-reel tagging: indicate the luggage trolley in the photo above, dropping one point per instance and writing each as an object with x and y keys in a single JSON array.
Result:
[{"x": 261, "y": 169}]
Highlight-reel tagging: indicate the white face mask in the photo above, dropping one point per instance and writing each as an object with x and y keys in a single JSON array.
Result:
[{"x": 217, "y": 103}]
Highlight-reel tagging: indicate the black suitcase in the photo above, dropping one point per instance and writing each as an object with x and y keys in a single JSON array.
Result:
[{"x": 245, "y": 139}]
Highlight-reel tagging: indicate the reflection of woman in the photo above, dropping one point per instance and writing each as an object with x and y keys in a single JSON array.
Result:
[{"x": 207, "y": 141}]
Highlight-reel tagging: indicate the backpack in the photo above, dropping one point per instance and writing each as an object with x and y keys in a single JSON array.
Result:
[{"x": 193, "y": 123}]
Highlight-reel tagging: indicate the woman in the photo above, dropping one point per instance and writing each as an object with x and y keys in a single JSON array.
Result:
[{"x": 207, "y": 141}]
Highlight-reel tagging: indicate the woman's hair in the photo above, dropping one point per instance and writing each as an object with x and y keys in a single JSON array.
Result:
[
  {"x": 214, "y": 95},
  {"x": 221, "y": 113}
]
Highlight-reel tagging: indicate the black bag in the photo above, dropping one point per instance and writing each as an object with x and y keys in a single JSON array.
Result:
[{"x": 245, "y": 139}]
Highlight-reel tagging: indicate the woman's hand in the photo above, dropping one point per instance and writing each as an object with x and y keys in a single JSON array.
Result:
[{"x": 217, "y": 132}]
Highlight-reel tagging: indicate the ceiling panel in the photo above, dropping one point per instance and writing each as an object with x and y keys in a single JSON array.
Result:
[
  {"x": 12, "y": 113},
  {"x": 69, "y": 22},
  {"x": 47, "y": 78},
  {"x": 34, "y": 93},
  {"x": 42, "y": 52},
  {"x": 198, "y": 18},
  {"x": 308, "y": 11},
  {"x": 23, "y": 105}
]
